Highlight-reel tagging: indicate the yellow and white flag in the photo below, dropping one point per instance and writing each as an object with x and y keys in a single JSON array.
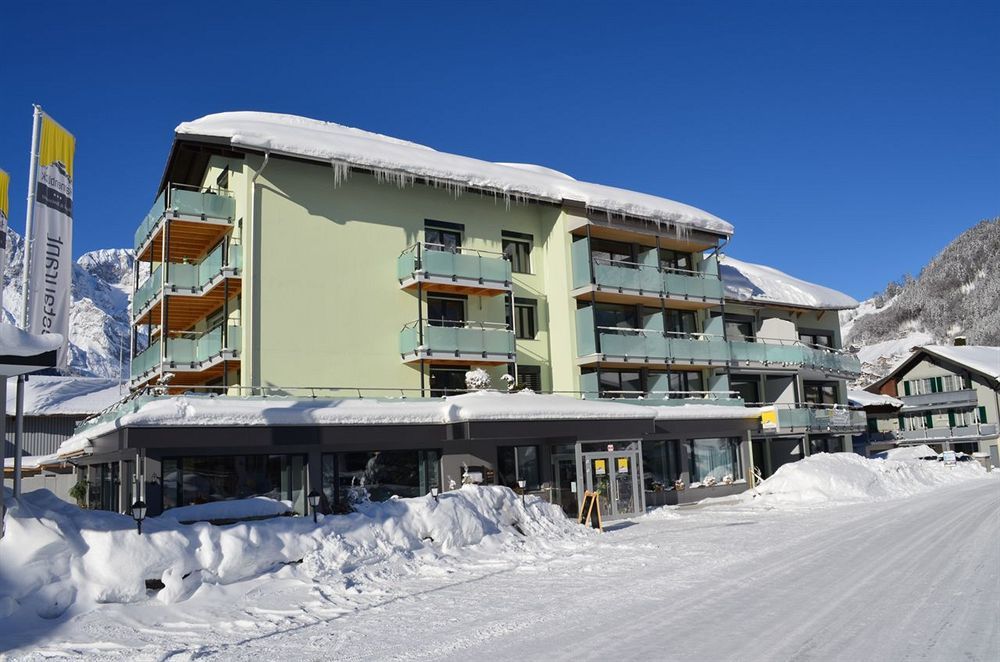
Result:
[{"x": 50, "y": 257}]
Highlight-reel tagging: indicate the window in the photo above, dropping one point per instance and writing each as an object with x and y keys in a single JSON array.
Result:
[
  {"x": 530, "y": 376},
  {"x": 441, "y": 236},
  {"x": 617, "y": 384},
  {"x": 448, "y": 381},
  {"x": 817, "y": 338},
  {"x": 613, "y": 314},
  {"x": 660, "y": 464},
  {"x": 670, "y": 260},
  {"x": 611, "y": 251},
  {"x": 516, "y": 463},
  {"x": 203, "y": 479},
  {"x": 517, "y": 248},
  {"x": 820, "y": 393},
  {"x": 825, "y": 444},
  {"x": 222, "y": 182},
  {"x": 747, "y": 388},
  {"x": 686, "y": 382},
  {"x": 681, "y": 322},
  {"x": 715, "y": 458},
  {"x": 446, "y": 310},
  {"x": 525, "y": 318},
  {"x": 739, "y": 329},
  {"x": 379, "y": 475},
  {"x": 943, "y": 384}
]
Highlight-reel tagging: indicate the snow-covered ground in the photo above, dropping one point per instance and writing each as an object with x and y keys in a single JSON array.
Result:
[{"x": 881, "y": 560}]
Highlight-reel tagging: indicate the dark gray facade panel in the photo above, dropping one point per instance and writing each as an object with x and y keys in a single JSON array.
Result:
[{"x": 42, "y": 434}]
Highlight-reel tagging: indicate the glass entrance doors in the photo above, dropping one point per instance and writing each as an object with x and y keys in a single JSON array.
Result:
[
  {"x": 615, "y": 476},
  {"x": 564, "y": 483}
]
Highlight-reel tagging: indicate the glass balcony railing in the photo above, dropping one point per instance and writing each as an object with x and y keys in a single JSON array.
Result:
[
  {"x": 819, "y": 418},
  {"x": 188, "y": 350},
  {"x": 467, "y": 341},
  {"x": 461, "y": 265},
  {"x": 148, "y": 291},
  {"x": 643, "y": 279},
  {"x": 645, "y": 344},
  {"x": 189, "y": 203}
]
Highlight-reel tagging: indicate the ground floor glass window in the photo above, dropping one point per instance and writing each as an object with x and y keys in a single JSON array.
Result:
[
  {"x": 714, "y": 458},
  {"x": 194, "y": 480},
  {"x": 516, "y": 463},
  {"x": 354, "y": 477},
  {"x": 661, "y": 464}
]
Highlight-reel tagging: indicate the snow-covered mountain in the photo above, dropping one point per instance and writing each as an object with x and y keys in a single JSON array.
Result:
[
  {"x": 99, "y": 313},
  {"x": 956, "y": 294}
]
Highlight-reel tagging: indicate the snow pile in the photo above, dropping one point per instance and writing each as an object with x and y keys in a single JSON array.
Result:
[
  {"x": 229, "y": 510},
  {"x": 923, "y": 451},
  {"x": 846, "y": 477},
  {"x": 744, "y": 281},
  {"x": 56, "y": 555},
  {"x": 402, "y": 162}
]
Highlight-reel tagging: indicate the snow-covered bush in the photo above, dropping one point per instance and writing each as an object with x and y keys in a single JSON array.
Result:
[
  {"x": 478, "y": 380},
  {"x": 710, "y": 481},
  {"x": 508, "y": 380}
]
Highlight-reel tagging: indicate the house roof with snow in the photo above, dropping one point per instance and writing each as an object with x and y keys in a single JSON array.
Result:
[
  {"x": 982, "y": 360},
  {"x": 405, "y": 162},
  {"x": 755, "y": 283},
  {"x": 48, "y": 395},
  {"x": 865, "y": 399}
]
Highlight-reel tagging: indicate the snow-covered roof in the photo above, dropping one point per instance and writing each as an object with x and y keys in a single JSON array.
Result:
[
  {"x": 402, "y": 161},
  {"x": 705, "y": 412},
  {"x": 20, "y": 343},
  {"x": 979, "y": 358},
  {"x": 756, "y": 283},
  {"x": 46, "y": 395},
  {"x": 866, "y": 399}
]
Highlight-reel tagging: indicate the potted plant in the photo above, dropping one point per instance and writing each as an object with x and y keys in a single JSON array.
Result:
[{"x": 79, "y": 492}]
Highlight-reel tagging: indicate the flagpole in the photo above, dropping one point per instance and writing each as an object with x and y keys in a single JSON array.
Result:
[
  {"x": 26, "y": 266},
  {"x": 29, "y": 214}
]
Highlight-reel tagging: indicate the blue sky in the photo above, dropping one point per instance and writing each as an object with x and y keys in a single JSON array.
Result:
[{"x": 848, "y": 142}]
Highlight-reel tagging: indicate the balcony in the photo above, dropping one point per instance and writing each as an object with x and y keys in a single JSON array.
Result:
[
  {"x": 618, "y": 281},
  {"x": 458, "y": 271},
  {"x": 203, "y": 218},
  {"x": 977, "y": 432},
  {"x": 471, "y": 342},
  {"x": 193, "y": 357},
  {"x": 803, "y": 417},
  {"x": 777, "y": 353},
  {"x": 199, "y": 286},
  {"x": 947, "y": 399}
]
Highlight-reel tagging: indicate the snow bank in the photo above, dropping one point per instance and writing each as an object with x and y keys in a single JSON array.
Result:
[
  {"x": 846, "y": 477},
  {"x": 744, "y": 281},
  {"x": 402, "y": 161},
  {"x": 234, "y": 509},
  {"x": 908, "y": 453},
  {"x": 56, "y": 555}
]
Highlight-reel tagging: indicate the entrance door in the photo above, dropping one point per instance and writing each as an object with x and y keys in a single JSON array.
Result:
[
  {"x": 564, "y": 475},
  {"x": 615, "y": 477}
]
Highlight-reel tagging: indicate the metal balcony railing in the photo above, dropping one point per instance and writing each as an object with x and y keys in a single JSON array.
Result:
[
  {"x": 434, "y": 262},
  {"x": 449, "y": 339},
  {"x": 179, "y": 201}
]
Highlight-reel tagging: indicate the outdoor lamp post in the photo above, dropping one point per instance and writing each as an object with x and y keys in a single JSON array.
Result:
[
  {"x": 138, "y": 514},
  {"x": 522, "y": 484},
  {"x": 313, "y": 498},
  {"x": 434, "y": 493}
]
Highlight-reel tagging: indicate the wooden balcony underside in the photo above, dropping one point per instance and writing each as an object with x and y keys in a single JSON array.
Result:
[
  {"x": 184, "y": 310},
  {"x": 188, "y": 239}
]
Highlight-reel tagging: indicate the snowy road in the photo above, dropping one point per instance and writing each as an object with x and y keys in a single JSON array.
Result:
[{"x": 908, "y": 579}]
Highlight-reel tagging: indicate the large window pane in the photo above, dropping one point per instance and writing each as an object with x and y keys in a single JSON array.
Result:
[
  {"x": 714, "y": 458},
  {"x": 660, "y": 464},
  {"x": 516, "y": 463}
]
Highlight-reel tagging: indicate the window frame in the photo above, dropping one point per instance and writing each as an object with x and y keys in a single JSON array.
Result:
[
  {"x": 452, "y": 298},
  {"x": 520, "y": 261},
  {"x": 455, "y": 229},
  {"x": 531, "y": 306}
]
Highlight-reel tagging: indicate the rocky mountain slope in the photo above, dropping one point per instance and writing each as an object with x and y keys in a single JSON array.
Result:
[
  {"x": 956, "y": 294},
  {"x": 99, "y": 314}
]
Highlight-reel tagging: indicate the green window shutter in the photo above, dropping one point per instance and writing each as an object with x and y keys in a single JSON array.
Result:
[
  {"x": 902, "y": 424},
  {"x": 951, "y": 419},
  {"x": 940, "y": 387},
  {"x": 906, "y": 387},
  {"x": 982, "y": 414},
  {"x": 929, "y": 420}
]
